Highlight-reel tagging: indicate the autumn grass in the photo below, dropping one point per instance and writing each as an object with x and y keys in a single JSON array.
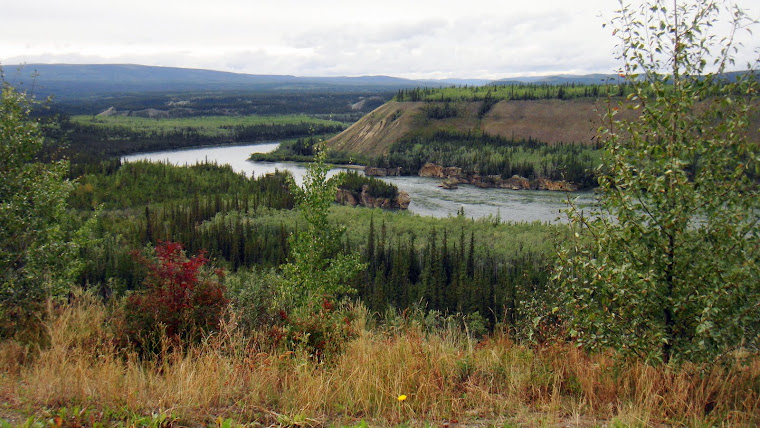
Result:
[{"x": 444, "y": 375}]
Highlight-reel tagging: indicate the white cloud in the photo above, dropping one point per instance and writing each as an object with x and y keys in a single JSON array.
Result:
[{"x": 423, "y": 38}]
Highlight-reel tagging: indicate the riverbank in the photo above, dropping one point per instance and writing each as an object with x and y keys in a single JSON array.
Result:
[
  {"x": 452, "y": 176},
  {"x": 427, "y": 199}
]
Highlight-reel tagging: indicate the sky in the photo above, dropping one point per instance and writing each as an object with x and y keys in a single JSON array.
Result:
[{"x": 486, "y": 39}]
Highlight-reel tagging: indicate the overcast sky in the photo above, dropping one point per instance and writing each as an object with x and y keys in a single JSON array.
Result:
[{"x": 403, "y": 38}]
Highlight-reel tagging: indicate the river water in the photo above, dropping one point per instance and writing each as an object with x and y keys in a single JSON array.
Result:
[{"x": 427, "y": 198}]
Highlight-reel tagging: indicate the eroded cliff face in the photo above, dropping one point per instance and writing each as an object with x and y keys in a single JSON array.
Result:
[
  {"x": 454, "y": 176},
  {"x": 374, "y": 134},
  {"x": 347, "y": 197}
]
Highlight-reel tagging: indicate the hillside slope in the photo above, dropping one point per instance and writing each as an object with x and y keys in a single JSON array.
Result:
[
  {"x": 549, "y": 121},
  {"x": 373, "y": 134}
]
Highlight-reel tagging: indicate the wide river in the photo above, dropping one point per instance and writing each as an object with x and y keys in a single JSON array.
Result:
[{"x": 427, "y": 198}]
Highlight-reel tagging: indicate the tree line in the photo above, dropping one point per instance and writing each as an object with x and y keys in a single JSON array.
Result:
[
  {"x": 442, "y": 271},
  {"x": 521, "y": 91},
  {"x": 90, "y": 142}
]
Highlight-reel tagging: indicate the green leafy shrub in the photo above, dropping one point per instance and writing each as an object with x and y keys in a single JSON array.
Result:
[
  {"x": 667, "y": 268},
  {"x": 319, "y": 272},
  {"x": 39, "y": 242},
  {"x": 322, "y": 329},
  {"x": 253, "y": 295},
  {"x": 318, "y": 266}
]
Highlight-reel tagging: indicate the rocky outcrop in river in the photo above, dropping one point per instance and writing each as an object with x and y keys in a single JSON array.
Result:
[
  {"x": 433, "y": 170},
  {"x": 454, "y": 176},
  {"x": 382, "y": 172},
  {"x": 347, "y": 197}
]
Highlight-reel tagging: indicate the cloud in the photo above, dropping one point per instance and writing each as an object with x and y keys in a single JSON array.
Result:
[{"x": 424, "y": 38}]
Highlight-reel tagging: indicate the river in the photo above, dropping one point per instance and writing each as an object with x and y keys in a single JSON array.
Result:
[{"x": 427, "y": 198}]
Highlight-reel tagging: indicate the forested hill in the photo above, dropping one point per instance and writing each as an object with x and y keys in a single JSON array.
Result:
[
  {"x": 516, "y": 136},
  {"x": 542, "y": 113},
  {"x": 547, "y": 121},
  {"x": 566, "y": 113},
  {"x": 534, "y": 139}
]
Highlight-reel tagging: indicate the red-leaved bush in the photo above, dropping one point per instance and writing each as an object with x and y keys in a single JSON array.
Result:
[{"x": 181, "y": 301}]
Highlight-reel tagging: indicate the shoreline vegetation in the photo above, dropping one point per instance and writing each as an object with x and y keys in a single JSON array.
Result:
[
  {"x": 90, "y": 139},
  {"x": 504, "y": 164}
]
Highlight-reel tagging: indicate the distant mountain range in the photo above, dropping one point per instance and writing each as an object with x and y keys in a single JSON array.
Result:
[
  {"x": 70, "y": 81},
  {"x": 66, "y": 81},
  {"x": 76, "y": 81},
  {"x": 585, "y": 79}
]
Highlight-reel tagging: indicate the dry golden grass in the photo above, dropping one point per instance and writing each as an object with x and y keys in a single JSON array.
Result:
[
  {"x": 445, "y": 377},
  {"x": 549, "y": 121}
]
